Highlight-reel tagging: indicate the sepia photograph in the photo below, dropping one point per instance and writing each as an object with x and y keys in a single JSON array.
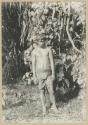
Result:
[{"x": 43, "y": 61}]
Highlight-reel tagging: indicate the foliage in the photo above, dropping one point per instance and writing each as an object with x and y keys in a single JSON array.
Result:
[{"x": 61, "y": 25}]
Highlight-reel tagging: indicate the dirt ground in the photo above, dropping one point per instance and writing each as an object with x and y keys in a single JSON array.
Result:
[{"x": 22, "y": 103}]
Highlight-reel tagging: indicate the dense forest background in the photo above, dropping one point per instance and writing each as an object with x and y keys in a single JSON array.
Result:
[{"x": 62, "y": 24}]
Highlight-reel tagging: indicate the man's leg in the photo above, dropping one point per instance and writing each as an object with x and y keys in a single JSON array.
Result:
[
  {"x": 42, "y": 96},
  {"x": 51, "y": 93},
  {"x": 52, "y": 98}
]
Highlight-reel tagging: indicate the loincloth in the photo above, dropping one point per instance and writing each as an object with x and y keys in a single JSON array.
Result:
[{"x": 45, "y": 83}]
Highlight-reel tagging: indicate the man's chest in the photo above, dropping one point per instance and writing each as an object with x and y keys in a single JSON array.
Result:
[{"x": 42, "y": 53}]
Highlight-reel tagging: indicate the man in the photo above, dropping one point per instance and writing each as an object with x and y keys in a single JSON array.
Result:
[{"x": 43, "y": 72}]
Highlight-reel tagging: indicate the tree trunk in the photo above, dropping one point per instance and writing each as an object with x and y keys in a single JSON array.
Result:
[
  {"x": 70, "y": 38},
  {"x": 67, "y": 30}
]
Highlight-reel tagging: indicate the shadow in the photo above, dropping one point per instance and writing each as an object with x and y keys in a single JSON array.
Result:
[
  {"x": 65, "y": 95},
  {"x": 9, "y": 105},
  {"x": 65, "y": 87},
  {"x": 11, "y": 86},
  {"x": 20, "y": 103}
]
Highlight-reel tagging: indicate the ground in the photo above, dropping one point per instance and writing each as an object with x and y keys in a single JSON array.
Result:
[{"x": 23, "y": 104}]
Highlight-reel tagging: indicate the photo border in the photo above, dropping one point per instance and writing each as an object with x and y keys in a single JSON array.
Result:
[{"x": 85, "y": 122}]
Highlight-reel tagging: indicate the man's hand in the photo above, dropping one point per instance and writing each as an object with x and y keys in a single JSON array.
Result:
[
  {"x": 53, "y": 77},
  {"x": 52, "y": 64},
  {"x": 35, "y": 80},
  {"x": 34, "y": 68}
]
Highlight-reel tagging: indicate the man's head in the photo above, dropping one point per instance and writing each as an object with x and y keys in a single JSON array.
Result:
[
  {"x": 39, "y": 39},
  {"x": 35, "y": 40},
  {"x": 41, "y": 42},
  {"x": 35, "y": 44}
]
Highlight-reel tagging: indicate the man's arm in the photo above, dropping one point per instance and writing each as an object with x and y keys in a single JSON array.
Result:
[
  {"x": 34, "y": 64},
  {"x": 52, "y": 63}
]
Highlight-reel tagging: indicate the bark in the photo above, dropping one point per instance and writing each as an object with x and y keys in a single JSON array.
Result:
[{"x": 68, "y": 33}]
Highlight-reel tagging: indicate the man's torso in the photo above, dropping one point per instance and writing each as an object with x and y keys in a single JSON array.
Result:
[{"x": 43, "y": 67}]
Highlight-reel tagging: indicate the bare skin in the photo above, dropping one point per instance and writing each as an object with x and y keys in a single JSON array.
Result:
[{"x": 42, "y": 62}]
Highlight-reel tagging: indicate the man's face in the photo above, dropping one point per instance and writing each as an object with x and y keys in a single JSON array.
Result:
[
  {"x": 41, "y": 43},
  {"x": 35, "y": 45}
]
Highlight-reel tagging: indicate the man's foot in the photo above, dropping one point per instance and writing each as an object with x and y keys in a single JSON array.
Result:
[
  {"x": 54, "y": 108},
  {"x": 44, "y": 111}
]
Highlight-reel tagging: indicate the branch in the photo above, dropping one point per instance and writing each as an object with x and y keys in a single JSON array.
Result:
[{"x": 70, "y": 38}]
